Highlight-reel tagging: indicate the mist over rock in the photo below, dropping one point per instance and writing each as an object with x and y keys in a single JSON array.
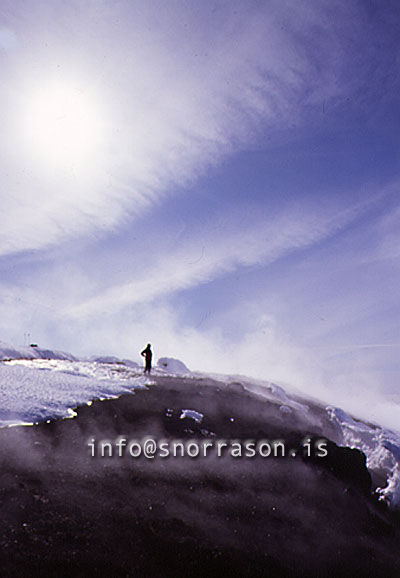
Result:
[
  {"x": 39, "y": 384},
  {"x": 281, "y": 517}
]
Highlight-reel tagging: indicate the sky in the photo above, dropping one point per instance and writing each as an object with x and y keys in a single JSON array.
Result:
[{"x": 220, "y": 179}]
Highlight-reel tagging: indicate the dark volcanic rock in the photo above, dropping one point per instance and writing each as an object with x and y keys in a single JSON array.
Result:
[
  {"x": 66, "y": 513},
  {"x": 347, "y": 464}
]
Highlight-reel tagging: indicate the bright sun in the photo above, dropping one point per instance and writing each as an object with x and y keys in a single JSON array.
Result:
[{"x": 63, "y": 126}]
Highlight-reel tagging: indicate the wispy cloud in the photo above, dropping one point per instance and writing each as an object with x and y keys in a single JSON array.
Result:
[
  {"x": 174, "y": 89},
  {"x": 239, "y": 245}
]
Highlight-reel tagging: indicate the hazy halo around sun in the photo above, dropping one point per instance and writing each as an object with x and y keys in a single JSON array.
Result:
[{"x": 62, "y": 124}]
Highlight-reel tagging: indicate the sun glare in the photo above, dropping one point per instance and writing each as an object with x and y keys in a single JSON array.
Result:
[{"x": 62, "y": 125}]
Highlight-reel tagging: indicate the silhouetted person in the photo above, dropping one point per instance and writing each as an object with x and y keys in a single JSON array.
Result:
[{"x": 147, "y": 354}]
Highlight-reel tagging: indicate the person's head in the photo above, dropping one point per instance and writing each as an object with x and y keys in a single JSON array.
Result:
[{"x": 148, "y": 345}]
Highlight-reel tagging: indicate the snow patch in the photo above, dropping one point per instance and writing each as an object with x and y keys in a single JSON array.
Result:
[
  {"x": 391, "y": 492},
  {"x": 33, "y": 390},
  {"x": 381, "y": 447},
  {"x": 106, "y": 359},
  {"x": 285, "y": 409},
  {"x": 193, "y": 414},
  {"x": 174, "y": 366},
  {"x": 8, "y": 351}
]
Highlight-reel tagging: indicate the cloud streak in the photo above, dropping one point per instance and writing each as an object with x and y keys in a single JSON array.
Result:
[
  {"x": 262, "y": 242},
  {"x": 175, "y": 91}
]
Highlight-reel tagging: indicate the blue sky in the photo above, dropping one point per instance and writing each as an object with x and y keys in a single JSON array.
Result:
[{"x": 220, "y": 179}]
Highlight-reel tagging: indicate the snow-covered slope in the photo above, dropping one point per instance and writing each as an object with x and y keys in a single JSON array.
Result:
[
  {"x": 8, "y": 351},
  {"x": 34, "y": 389}
]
